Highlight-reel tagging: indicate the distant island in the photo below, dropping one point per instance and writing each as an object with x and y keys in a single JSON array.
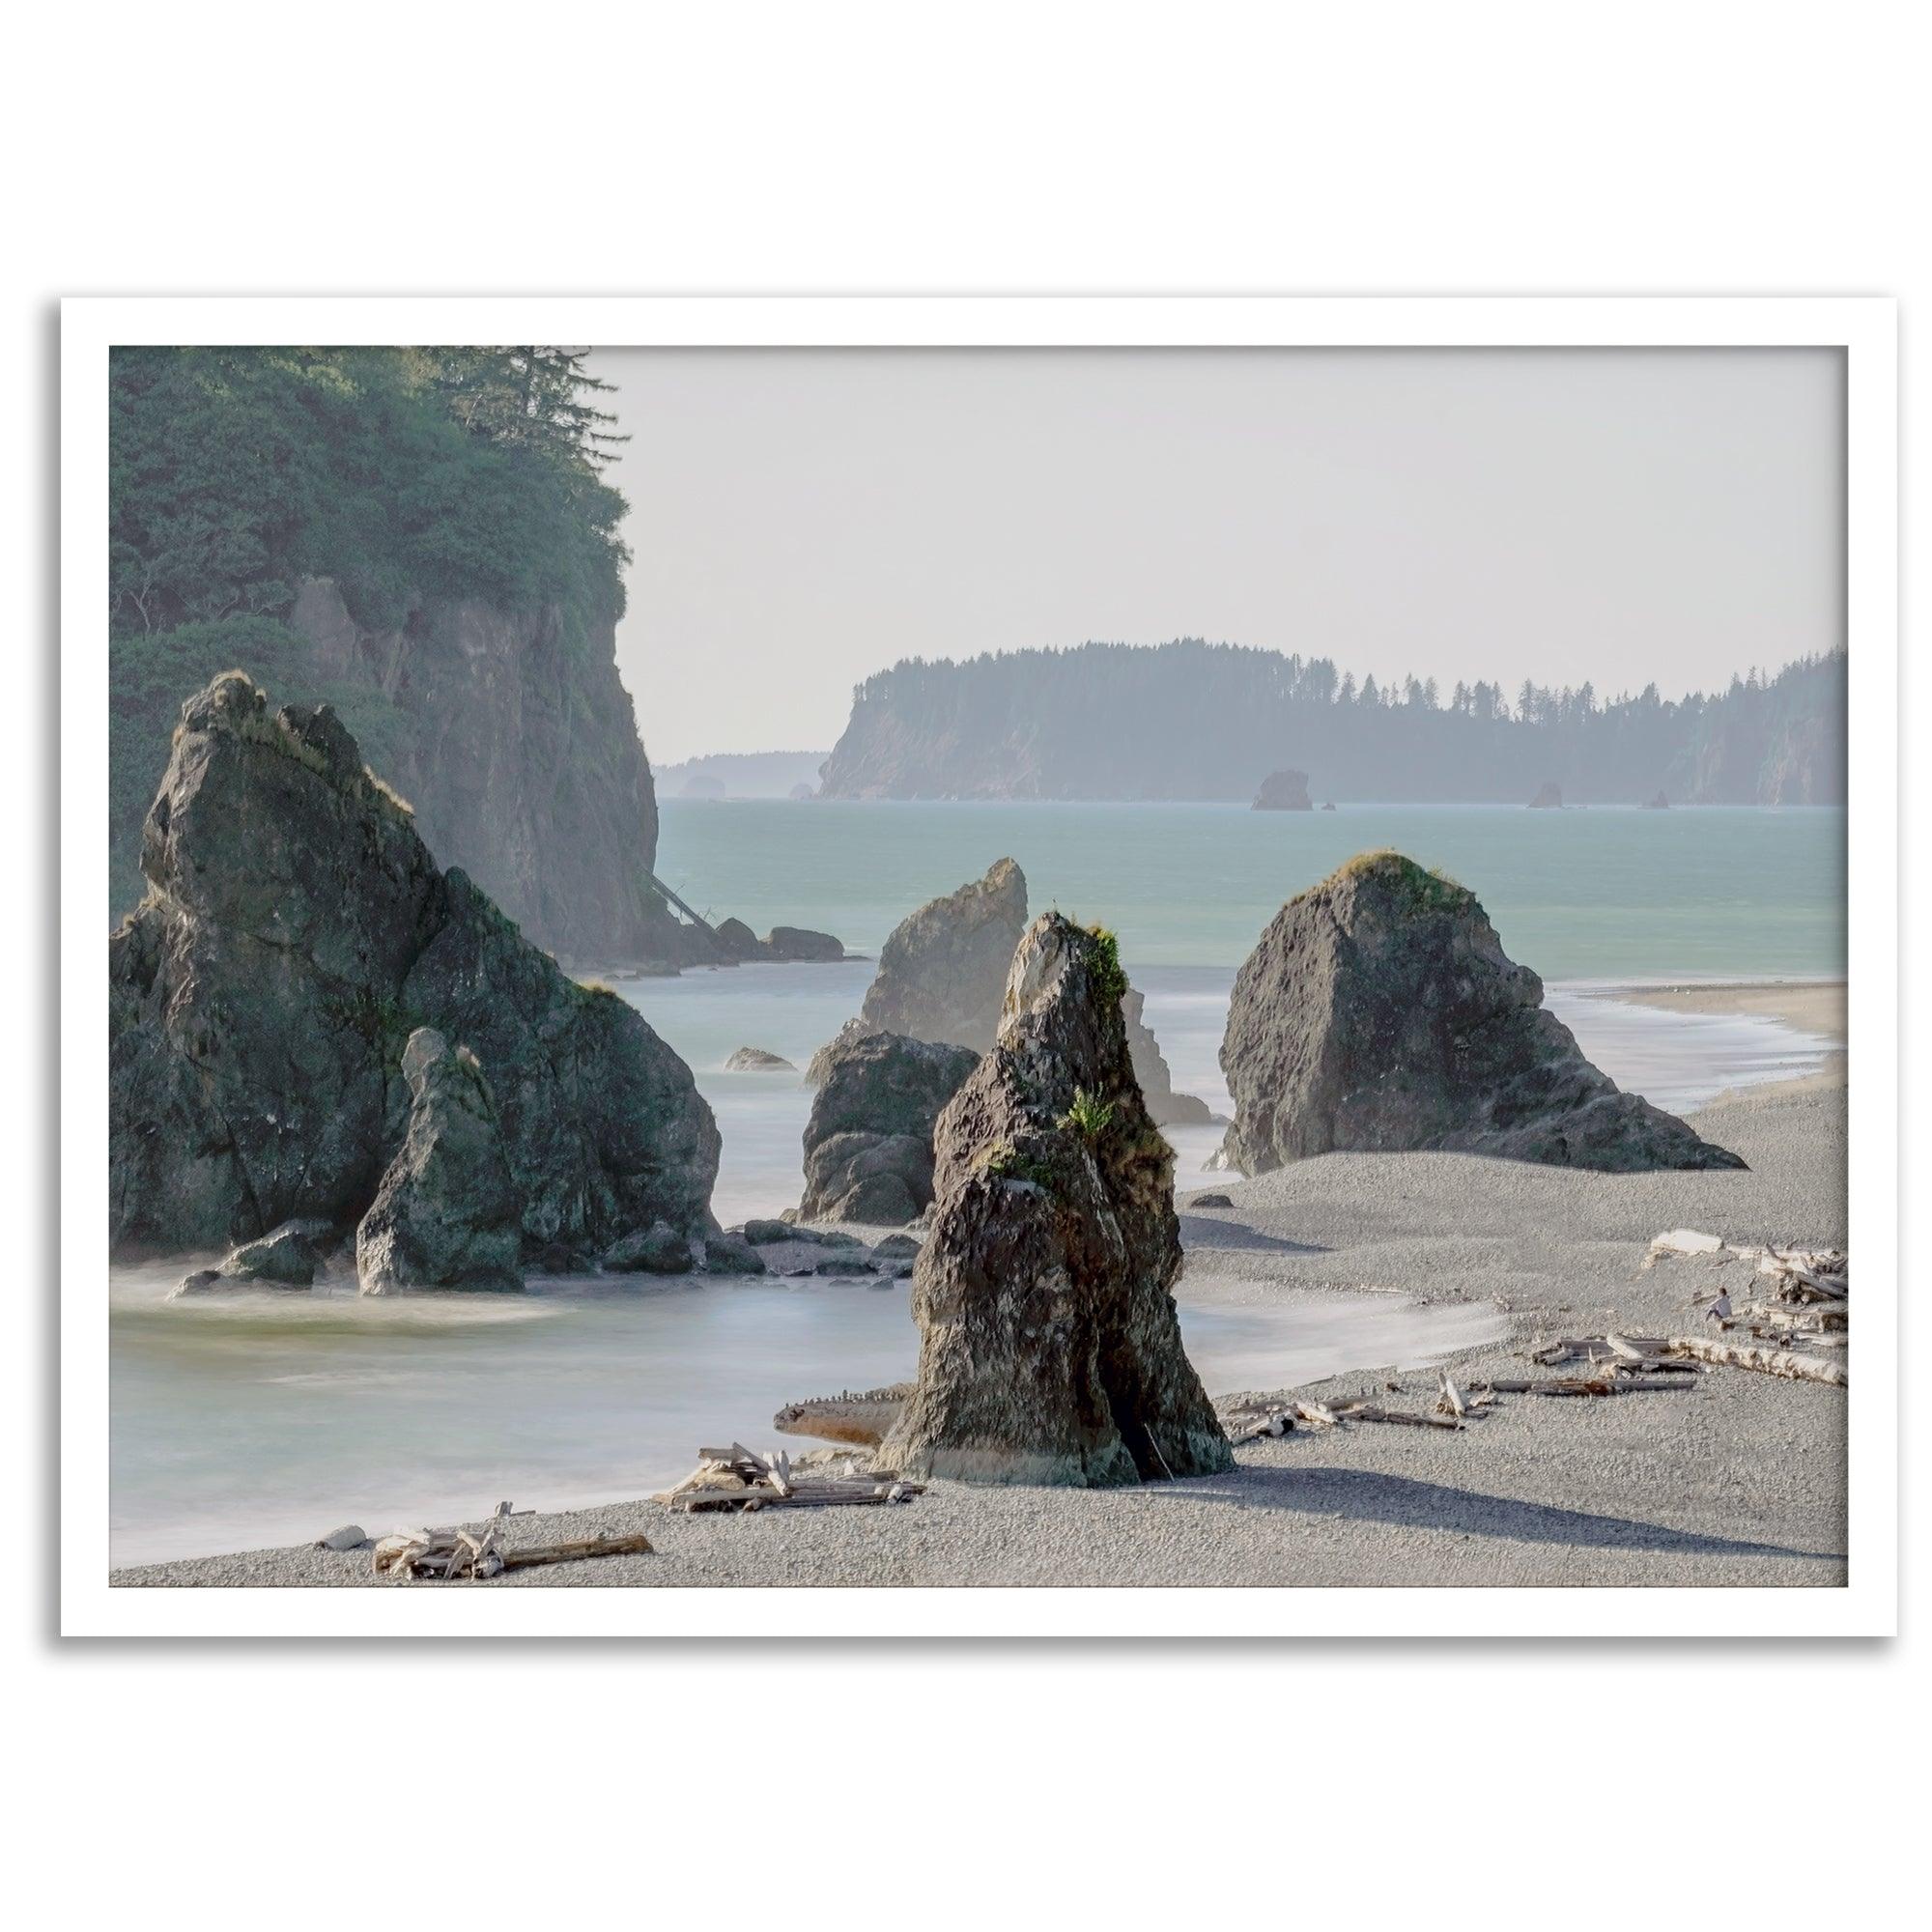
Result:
[
  {"x": 742, "y": 774},
  {"x": 1190, "y": 720}
]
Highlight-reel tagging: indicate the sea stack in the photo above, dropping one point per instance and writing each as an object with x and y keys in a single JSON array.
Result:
[
  {"x": 448, "y": 1214},
  {"x": 1549, "y": 797},
  {"x": 296, "y": 933},
  {"x": 942, "y": 969},
  {"x": 1165, "y": 1107},
  {"x": 1049, "y": 1351},
  {"x": 1284, "y": 791},
  {"x": 1380, "y": 1013},
  {"x": 869, "y": 1142},
  {"x": 1658, "y": 804}
]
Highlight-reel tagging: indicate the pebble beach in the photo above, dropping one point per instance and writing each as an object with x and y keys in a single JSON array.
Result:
[{"x": 1739, "y": 1480}]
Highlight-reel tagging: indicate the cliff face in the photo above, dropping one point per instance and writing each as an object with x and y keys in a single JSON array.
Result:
[{"x": 519, "y": 753}]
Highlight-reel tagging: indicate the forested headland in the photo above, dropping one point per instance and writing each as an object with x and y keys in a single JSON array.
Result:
[
  {"x": 421, "y": 537},
  {"x": 1192, "y": 720}
]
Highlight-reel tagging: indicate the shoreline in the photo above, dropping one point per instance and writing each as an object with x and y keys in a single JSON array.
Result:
[{"x": 1739, "y": 1480}]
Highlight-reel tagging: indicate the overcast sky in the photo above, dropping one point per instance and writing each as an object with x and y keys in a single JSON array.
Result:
[{"x": 804, "y": 517}]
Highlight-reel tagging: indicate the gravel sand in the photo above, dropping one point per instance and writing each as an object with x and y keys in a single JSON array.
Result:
[
  {"x": 1739, "y": 1480},
  {"x": 1812, "y": 1006}
]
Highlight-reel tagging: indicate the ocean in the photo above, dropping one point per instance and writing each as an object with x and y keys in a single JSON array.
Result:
[{"x": 267, "y": 1418}]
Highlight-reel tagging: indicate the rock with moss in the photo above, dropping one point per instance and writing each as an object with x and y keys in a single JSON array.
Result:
[
  {"x": 1049, "y": 1347},
  {"x": 942, "y": 969},
  {"x": 868, "y": 1142},
  {"x": 1380, "y": 1013},
  {"x": 448, "y": 1214},
  {"x": 295, "y": 932}
]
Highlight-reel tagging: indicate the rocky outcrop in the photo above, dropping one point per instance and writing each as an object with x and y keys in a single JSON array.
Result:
[
  {"x": 1658, "y": 804},
  {"x": 1165, "y": 1107},
  {"x": 1381, "y": 1013},
  {"x": 755, "y": 1060},
  {"x": 1049, "y": 1349},
  {"x": 449, "y": 1213},
  {"x": 1284, "y": 791},
  {"x": 1549, "y": 797},
  {"x": 869, "y": 1142},
  {"x": 942, "y": 969},
  {"x": 802, "y": 790},
  {"x": 800, "y": 942},
  {"x": 519, "y": 753},
  {"x": 297, "y": 931},
  {"x": 288, "y": 1258}
]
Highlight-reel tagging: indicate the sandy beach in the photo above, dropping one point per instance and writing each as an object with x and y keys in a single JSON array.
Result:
[{"x": 1739, "y": 1480}]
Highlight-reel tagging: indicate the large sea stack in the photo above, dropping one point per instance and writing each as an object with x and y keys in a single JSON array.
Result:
[
  {"x": 869, "y": 1142},
  {"x": 942, "y": 969},
  {"x": 294, "y": 933},
  {"x": 1050, "y": 1352},
  {"x": 1380, "y": 1013}
]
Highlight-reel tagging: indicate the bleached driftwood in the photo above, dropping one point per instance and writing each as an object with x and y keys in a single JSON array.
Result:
[
  {"x": 1766, "y": 1361},
  {"x": 534, "y": 1554},
  {"x": 1682, "y": 1242},
  {"x": 1604, "y": 1384},
  {"x": 1371, "y": 1412}
]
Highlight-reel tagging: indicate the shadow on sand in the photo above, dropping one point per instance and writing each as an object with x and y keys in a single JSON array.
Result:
[
  {"x": 1364, "y": 1495},
  {"x": 1200, "y": 1231}
]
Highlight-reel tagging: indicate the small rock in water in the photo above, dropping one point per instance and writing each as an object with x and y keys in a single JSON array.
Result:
[
  {"x": 660, "y": 1250},
  {"x": 732, "y": 1254},
  {"x": 755, "y": 1060}
]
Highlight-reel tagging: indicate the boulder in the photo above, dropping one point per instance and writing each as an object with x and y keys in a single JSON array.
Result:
[
  {"x": 732, "y": 1254},
  {"x": 1549, "y": 797},
  {"x": 895, "y": 1248},
  {"x": 821, "y": 1062},
  {"x": 1284, "y": 791},
  {"x": 943, "y": 970},
  {"x": 735, "y": 939},
  {"x": 767, "y": 1234},
  {"x": 755, "y": 1060},
  {"x": 285, "y": 1259},
  {"x": 1380, "y": 1013},
  {"x": 296, "y": 933},
  {"x": 448, "y": 1214},
  {"x": 1049, "y": 1347},
  {"x": 659, "y": 1249},
  {"x": 1165, "y": 1107},
  {"x": 1208, "y": 1199},
  {"x": 800, "y": 942},
  {"x": 869, "y": 1142}
]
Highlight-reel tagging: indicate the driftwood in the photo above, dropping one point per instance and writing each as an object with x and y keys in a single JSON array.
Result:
[
  {"x": 535, "y": 1553},
  {"x": 1766, "y": 1361},
  {"x": 1610, "y": 1384},
  {"x": 1370, "y": 1411},
  {"x": 738, "y": 1481}
]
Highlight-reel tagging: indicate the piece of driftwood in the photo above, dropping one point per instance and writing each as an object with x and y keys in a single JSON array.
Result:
[
  {"x": 1583, "y": 1385},
  {"x": 1766, "y": 1361},
  {"x": 1682, "y": 1242},
  {"x": 532, "y": 1554},
  {"x": 1449, "y": 1398},
  {"x": 803, "y": 1496},
  {"x": 1371, "y": 1412}
]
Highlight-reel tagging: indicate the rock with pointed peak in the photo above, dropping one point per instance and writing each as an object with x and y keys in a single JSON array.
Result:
[{"x": 1050, "y": 1351}]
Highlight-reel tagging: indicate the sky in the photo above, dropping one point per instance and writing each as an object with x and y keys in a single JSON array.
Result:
[{"x": 802, "y": 518}]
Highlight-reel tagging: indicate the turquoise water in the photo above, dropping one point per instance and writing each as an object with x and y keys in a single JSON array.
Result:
[
  {"x": 1602, "y": 894},
  {"x": 1586, "y": 897}
]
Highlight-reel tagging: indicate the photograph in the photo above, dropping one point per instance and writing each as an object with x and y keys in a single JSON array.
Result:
[{"x": 1215, "y": 967}]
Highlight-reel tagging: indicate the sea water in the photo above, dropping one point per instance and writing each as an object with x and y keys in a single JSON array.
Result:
[{"x": 269, "y": 1418}]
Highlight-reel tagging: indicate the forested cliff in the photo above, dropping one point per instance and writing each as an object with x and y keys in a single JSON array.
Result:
[
  {"x": 422, "y": 538},
  {"x": 1190, "y": 720}
]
